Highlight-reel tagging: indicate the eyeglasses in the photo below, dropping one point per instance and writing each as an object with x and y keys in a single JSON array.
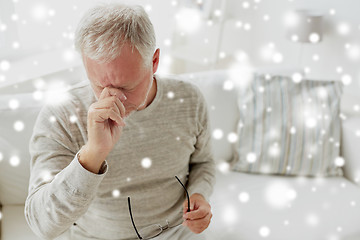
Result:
[{"x": 155, "y": 229}]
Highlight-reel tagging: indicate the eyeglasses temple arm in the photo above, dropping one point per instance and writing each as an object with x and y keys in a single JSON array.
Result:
[
  {"x": 187, "y": 194},
  {"x": 132, "y": 220}
]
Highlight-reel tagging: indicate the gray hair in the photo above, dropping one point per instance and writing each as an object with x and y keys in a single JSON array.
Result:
[{"x": 104, "y": 29}]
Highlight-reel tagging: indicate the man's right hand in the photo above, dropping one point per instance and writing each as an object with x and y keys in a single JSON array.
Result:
[{"x": 105, "y": 122}]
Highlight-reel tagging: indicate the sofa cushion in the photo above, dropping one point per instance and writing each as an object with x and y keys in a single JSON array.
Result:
[
  {"x": 350, "y": 142},
  {"x": 15, "y": 227},
  {"x": 260, "y": 206},
  {"x": 288, "y": 127},
  {"x": 14, "y": 147}
]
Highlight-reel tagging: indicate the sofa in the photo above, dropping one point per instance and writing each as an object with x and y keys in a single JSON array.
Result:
[{"x": 245, "y": 205}]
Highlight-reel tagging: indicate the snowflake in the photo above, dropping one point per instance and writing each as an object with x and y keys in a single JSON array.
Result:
[
  {"x": 224, "y": 167},
  {"x": 353, "y": 52},
  {"x": 339, "y": 69},
  {"x": 277, "y": 57},
  {"x": 274, "y": 150},
  {"x": 69, "y": 55},
  {"x": 247, "y": 26},
  {"x": 332, "y": 11},
  {"x": 279, "y": 194},
  {"x": 292, "y": 130},
  {"x": 229, "y": 214},
  {"x": 16, "y": 45},
  {"x": 251, "y": 157},
  {"x": 3, "y": 27},
  {"x": 218, "y": 134},
  {"x": 188, "y": 20},
  {"x": 294, "y": 38},
  {"x": 19, "y": 126},
  {"x": 311, "y": 122},
  {"x": 357, "y": 133},
  {"x": 261, "y": 89},
  {"x": 167, "y": 42},
  {"x": 246, "y": 5},
  {"x": 316, "y": 57},
  {"x": 314, "y": 37},
  {"x": 264, "y": 231},
  {"x": 5, "y": 65},
  {"x": 73, "y": 118},
  {"x": 14, "y": 104},
  {"x": 232, "y": 137},
  {"x": 115, "y": 193},
  {"x": 238, "y": 24},
  {"x": 46, "y": 176},
  {"x": 38, "y": 95},
  {"x": 346, "y": 79},
  {"x": 312, "y": 219},
  {"x": 222, "y": 55},
  {"x": 39, "y": 12},
  {"x": 322, "y": 94},
  {"x": 52, "y": 119},
  {"x": 244, "y": 197},
  {"x": 343, "y": 28},
  {"x": 170, "y": 94},
  {"x": 266, "y": 17},
  {"x": 146, "y": 162},
  {"x": 14, "y": 161}
]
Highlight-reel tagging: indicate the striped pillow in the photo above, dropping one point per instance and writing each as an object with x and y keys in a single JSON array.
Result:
[{"x": 289, "y": 128}]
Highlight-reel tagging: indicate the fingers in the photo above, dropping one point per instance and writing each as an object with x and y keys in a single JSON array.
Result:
[
  {"x": 197, "y": 214},
  {"x": 112, "y": 95},
  {"x": 198, "y": 225},
  {"x": 109, "y": 91},
  {"x": 108, "y": 113},
  {"x": 111, "y": 102},
  {"x": 185, "y": 207},
  {"x": 108, "y": 108}
]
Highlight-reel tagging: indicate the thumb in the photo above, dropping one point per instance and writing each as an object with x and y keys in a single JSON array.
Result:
[
  {"x": 185, "y": 206},
  {"x": 192, "y": 204}
]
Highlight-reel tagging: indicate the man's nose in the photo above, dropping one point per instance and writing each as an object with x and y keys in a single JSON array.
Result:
[{"x": 119, "y": 94}]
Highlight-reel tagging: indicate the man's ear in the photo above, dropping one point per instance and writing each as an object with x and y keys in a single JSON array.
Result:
[{"x": 155, "y": 60}]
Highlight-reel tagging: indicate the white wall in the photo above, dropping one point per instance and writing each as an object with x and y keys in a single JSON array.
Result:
[
  {"x": 44, "y": 31},
  {"x": 331, "y": 50},
  {"x": 253, "y": 42}
]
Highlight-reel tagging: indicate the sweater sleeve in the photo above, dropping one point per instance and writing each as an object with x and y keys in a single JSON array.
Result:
[
  {"x": 60, "y": 189},
  {"x": 202, "y": 166}
]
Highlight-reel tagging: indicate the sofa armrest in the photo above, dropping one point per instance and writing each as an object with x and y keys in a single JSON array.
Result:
[{"x": 350, "y": 148}]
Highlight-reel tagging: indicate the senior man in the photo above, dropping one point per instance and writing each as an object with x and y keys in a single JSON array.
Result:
[{"x": 115, "y": 160}]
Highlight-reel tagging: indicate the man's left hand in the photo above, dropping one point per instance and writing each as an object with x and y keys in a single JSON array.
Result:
[{"x": 198, "y": 219}]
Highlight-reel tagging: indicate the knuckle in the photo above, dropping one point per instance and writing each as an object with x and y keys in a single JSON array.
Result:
[
  {"x": 91, "y": 111},
  {"x": 113, "y": 98},
  {"x": 114, "y": 105}
]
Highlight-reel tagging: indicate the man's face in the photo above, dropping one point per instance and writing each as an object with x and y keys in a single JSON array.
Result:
[{"x": 126, "y": 73}]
